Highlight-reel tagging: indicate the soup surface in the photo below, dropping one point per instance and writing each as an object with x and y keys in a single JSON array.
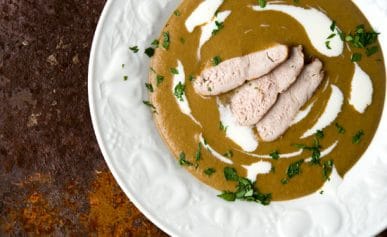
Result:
[{"x": 332, "y": 130}]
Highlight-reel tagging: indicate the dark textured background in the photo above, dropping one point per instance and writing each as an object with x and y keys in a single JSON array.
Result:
[{"x": 53, "y": 179}]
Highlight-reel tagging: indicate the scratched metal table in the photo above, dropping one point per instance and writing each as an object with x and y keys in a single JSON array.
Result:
[{"x": 53, "y": 179}]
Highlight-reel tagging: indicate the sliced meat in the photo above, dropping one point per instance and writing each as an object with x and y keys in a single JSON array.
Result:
[
  {"x": 280, "y": 116},
  {"x": 252, "y": 100},
  {"x": 234, "y": 72}
]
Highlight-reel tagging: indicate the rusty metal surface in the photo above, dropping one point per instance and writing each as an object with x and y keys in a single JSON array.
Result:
[{"x": 53, "y": 179}]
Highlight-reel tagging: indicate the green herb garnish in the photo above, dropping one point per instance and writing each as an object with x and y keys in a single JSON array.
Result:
[
  {"x": 174, "y": 71},
  {"x": 222, "y": 127},
  {"x": 245, "y": 189},
  {"x": 155, "y": 43},
  {"x": 340, "y": 129},
  {"x": 327, "y": 44},
  {"x": 219, "y": 26},
  {"x": 327, "y": 169},
  {"x": 228, "y": 196},
  {"x": 209, "y": 171},
  {"x": 319, "y": 134},
  {"x": 315, "y": 149},
  {"x": 294, "y": 169},
  {"x": 191, "y": 77},
  {"x": 147, "y": 103},
  {"x": 285, "y": 181},
  {"x": 183, "y": 161},
  {"x": 333, "y": 26},
  {"x": 331, "y": 36},
  {"x": 371, "y": 51},
  {"x": 166, "y": 40},
  {"x": 228, "y": 154},
  {"x": 262, "y": 3},
  {"x": 159, "y": 79},
  {"x": 361, "y": 38},
  {"x": 275, "y": 155},
  {"x": 149, "y": 51},
  {"x": 356, "y": 57},
  {"x": 198, "y": 154},
  {"x": 177, "y": 13},
  {"x": 216, "y": 60},
  {"x": 357, "y": 137},
  {"x": 149, "y": 87},
  {"x": 125, "y": 78},
  {"x": 179, "y": 91},
  {"x": 134, "y": 49}
]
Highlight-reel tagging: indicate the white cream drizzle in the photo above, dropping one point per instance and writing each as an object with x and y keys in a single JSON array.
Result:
[
  {"x": 208, "y": 28},
  {"x": 330, "y": 113},
  {"x": 243, "y": 136},
  {"x": 361, "y": 90},
  {"x": 260, "y": 167},
  {"x": 183, "y": 105},
  {"x": 216, "y": 154},
  {"x": 302, "y": 114},
  {"x": 316, "y": 24},
  {"x": 284, "y": 155},
  {"x": 202, "y": 14}
]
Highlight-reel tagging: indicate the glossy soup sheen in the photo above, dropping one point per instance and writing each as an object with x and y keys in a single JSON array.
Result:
[{"x": 181, "y": 133}]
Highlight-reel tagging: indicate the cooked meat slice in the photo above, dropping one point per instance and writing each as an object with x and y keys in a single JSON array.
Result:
[
  {"x": 280, "y": 116},
  {"x": 252, "y": 100},
  {"x": 235, "y": 71}
]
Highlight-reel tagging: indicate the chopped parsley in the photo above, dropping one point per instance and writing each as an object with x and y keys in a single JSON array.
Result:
[
  {"x": 361, "y": 38},
  {"x": 125, "y": 78},
  {"x": 285, "y": 181},
  {"x": 228, "y": 154},
  {"x": 177, "y": 13},
  {"x": 166, "y": 40},
  {"x": 331, "y": 36},
  {"x": 371, "y": 51},
  {"x": 174, "y": 71},
  {"x": 209, "y": 171},
  {"x": 179, "y": 91},
  {"x": 294, "y": 169},
  {"x": 327, "y": 169},
  {"x": 357, "y": 137},
  {"x": 275, "y": 155},
  {"x": 262, "y": 3},
  {"x": 149, "y": 51},
  {"x": 147, "y": 103},
  {"x": 222, "y": 127},
  {"x": 356, "y": 57},
  {"x": 155, "y": 43},
  {"x": 321, "y": 192},
  {"x": 183, "y": 161},
  {"x": 134, "y": 49},
  {"x": 333, "y": 26},
  {"x": 191, "y": 77},
  {"x": 216, "y": 60},
  {"x": 340, "y": 129},
  {"x": 198, "y": 154},
  {"x": 122, "y": 65},
  {"x": 327, "y": 44},
  {"x": 219, "y": 26},
  {"x": 245, "y": 189},
  {"x": 149, "y": 87},
  {"x": 230, "y": 174},
  {"x": 315, "y": 149},
  {"x": 159, "y": 79},
  {"x": 319, "y": 134}
]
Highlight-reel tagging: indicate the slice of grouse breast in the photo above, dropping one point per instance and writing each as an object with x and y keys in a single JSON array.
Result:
[
  {"x": 252, "y": 100},
  {"x": 281, "y": 115},
  {"x": 234, "y": 72}
]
